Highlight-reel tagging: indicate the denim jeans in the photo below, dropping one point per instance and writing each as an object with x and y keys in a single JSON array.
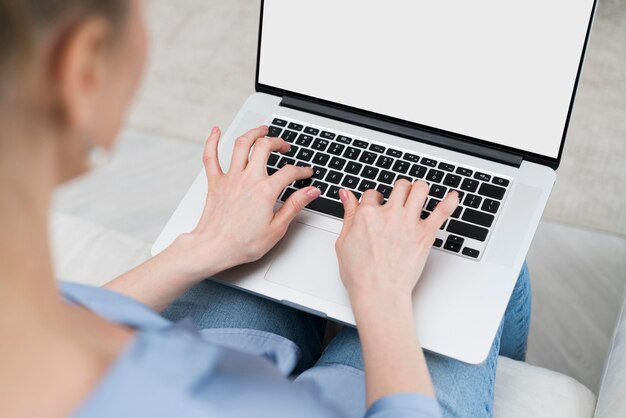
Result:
[{"x": 463, "y": 390}]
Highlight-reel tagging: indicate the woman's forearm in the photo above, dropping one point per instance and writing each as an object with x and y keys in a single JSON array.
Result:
[
  {"x": 161, "y": 280},
  {"x": 394, "y": 360}
]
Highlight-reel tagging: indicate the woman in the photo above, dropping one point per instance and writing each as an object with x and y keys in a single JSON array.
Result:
[{"x": 68, "y": 69}]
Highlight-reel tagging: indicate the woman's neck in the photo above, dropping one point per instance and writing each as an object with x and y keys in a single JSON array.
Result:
[{"x": 27, "y": 180}]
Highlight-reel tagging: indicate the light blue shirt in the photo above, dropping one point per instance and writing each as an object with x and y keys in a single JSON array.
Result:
[{"x": 175, "y": 370}]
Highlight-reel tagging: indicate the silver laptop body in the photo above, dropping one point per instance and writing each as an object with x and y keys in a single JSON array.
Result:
[{"x": 478, "y": 94}]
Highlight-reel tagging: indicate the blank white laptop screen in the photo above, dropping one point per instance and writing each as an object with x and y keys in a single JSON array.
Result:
[{"x": 497, "y": 70}]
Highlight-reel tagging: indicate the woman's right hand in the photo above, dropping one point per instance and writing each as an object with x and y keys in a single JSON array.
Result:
[{"x": 382, "y": 249}]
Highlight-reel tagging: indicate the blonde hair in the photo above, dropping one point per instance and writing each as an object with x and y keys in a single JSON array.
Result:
[{"x": 22, "y": 20}]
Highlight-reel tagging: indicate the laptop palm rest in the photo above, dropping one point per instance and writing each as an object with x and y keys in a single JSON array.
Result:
[{"x": 306, "y": 261}]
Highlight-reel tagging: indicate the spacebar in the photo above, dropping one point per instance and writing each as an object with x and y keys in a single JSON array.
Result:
[{"x": 327, "y": 206}]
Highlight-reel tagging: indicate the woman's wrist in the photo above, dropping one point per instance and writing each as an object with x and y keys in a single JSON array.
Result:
[{"x": 191, "y": 261}]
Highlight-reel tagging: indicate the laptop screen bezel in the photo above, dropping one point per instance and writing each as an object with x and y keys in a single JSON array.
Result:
[{"x": 526, "y": 155}]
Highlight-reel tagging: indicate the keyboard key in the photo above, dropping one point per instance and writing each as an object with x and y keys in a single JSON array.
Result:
[
  {"x": 295, "y": 126},
  {"x": 476, "y": 217},
  {"x": 289, "y": 136},
  {"x": 464, "y": 171},
  {"x": 472, "y": 200},
  {"x": 384, "y": 162},
  {"x": 274, "y": 132},
  {"x": 443, "y": 225},
  {"x": 452, "y": 180},
  {"x": 467, "y": 230},
  {"x": 311, "y": 131},
  {"x": 352, "y": 153},
  {"x": 394, "y": 153},
  {"x": 437, "y": 191},
  {"x": 334, "y": 177},
  {"x": 424, "y": 214},
  {"x": 377, "y": 148},
  {"x": 457, "y": 212},
  {"x": 288, "y": 192},
  {"x": 411, "y": 157},
  {"x": 343, "y": 139},
  {"x": 279, "y": 122},
  {"x": 301, "y": 184},
  {"x": 337, "y": 163},
  {"x": 429, "y": 162},
  {"x": 327, "y": 206},
  {"x": 407, "y": 178},
  {"x": 273, "y": 159},
  {"x": 292, "y": 151},
  {"x": 350, "y": 182},
  {"x": 369, "y": 172},
  {"x": 491, "y": 191},
  {"x": 469, "y": 185},
  {"x": 434, "y": 175},
  {"x": 368, "y": 157},
  {"x": 418, "y": 171},
  {"x": 360, "y": 144},
  {"x": 401, "y": 166},
  {"x": 490, "y": 206},
  {"x": 455, "y": 239},
  {"x": 336, "y": 149},
  {"x": 302, "y": 164},
  {"x": 500, "y": 181},
  {"x": 450, "y": 246},
  {"x": 328, "y": 135},
  {"x": 482, "y": 176},
  {"x": 319, "y": 172},
  {"x": 304, "y": 140},
  {"x": 333, "y": 192},
  {"x": 438, "y": 243},
  {"x": 432, "y": 204},
  {"x": 271, "y": 171},
  {"x": 386, "y": 177},
  {"x": 322, "y": 186},
  {"x": 320, "y": 144},
  {"x": 284, "y": 161},
  {"x": 305, "y": 154},
  {"x": 470, "y": 252},
  {"x": 385, "y": 190},
  {"x": 321, "y": 159},
  {"x": 446, "y": 167},
  {"x": 366, "y": 185},
  {"x": 353, "y": 168}
]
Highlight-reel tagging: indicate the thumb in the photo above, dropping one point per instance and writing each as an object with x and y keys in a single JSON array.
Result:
[
  {"x": 294, "y": 205},
  {"x": 350, "y": 205}
]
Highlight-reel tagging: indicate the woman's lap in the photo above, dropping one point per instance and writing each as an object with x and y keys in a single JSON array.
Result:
[{"x": 462, "y": 389}]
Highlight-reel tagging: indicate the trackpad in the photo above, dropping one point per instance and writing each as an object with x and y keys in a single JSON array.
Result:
[{"x": 306, "y": 261}]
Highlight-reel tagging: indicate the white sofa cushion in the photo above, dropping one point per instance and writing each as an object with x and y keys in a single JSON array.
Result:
[
  {"x": 612, "y": 398},
  {"x": 90, "y": 254},
  {"x": 523, "y": 390}
]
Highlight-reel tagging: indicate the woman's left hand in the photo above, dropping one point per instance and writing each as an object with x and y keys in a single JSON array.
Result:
[{"x": 239, "y": 224}]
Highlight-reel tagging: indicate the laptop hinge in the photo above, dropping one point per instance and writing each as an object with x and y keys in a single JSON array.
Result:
[{"x": 416, "y": 134}]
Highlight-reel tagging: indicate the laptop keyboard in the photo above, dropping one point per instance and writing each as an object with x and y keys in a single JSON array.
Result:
[{"x": 343, "y": 161}]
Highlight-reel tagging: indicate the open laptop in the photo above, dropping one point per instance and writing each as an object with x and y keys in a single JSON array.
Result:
[{"x": 468, "y": 96}]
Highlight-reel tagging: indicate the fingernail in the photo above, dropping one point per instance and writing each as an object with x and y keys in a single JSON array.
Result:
[
  {"x": 313, "y": 193},
  {"x": 265, "y": 127},
  {"x": 214, "y": 130}
]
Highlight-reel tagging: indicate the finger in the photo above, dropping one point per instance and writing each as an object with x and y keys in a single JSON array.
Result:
[
  {"x": 372, "y": 197},
  {"x": 350, "y": 205},
  {"x": 263, "y": 148},
  {"x": 210, "y": 157},
  {"x": 287, "y": 175},
  {"x": 400, "y": 193},
  {"x": 444, "y": 209},
  {"x": 417, "y": 196},
  {"x": 294, "y": 205},
  {"x": 242, "y": 148}
]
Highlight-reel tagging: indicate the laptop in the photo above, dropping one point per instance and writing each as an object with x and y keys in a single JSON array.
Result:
[{"x": 468, "y": 96}]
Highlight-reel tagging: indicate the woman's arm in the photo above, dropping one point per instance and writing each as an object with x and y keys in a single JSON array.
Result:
[
  {"x": 238, "y": 224},
  {"x": 396, "y": 243}
]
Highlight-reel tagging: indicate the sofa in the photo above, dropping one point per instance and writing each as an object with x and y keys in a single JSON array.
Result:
[{"x": 88, "y": 253}]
